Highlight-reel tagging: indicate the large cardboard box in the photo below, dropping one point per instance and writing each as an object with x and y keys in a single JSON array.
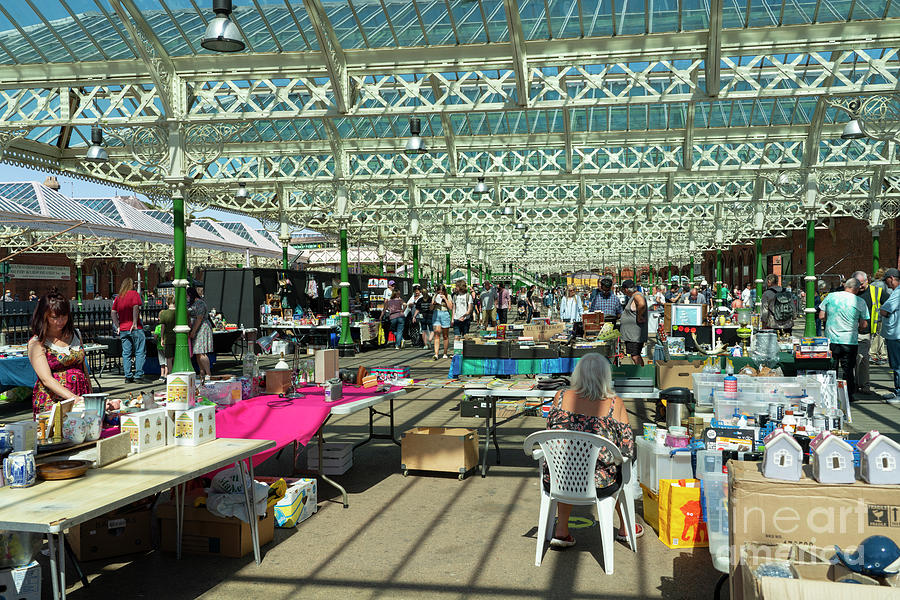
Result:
[
  {"x": 677, "y": 373},
  {"x": 205, "y": 533},
  {"x": 449, "y": 449},
  {"x": 326, "y": 365},
  {"x": 776, "y": 512},
  {"x": 113, "y": 534},
  {"x": 21, "y": 583},
  {"x": 816, "y": 577}
]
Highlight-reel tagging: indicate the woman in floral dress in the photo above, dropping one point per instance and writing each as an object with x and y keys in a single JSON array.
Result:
[
  {"x": 592, "y": 407},
  {"x": 56, "y": 354}
]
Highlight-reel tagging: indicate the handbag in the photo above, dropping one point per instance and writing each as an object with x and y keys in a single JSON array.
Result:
[{"x": 680, "y": 515}]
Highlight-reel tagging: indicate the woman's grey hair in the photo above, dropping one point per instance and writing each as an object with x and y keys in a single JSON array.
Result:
[{"x": 592, "y": 378}]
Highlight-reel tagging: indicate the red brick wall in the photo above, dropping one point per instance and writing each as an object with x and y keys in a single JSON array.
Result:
[
  {"x": 107, "y": 271},
  {"x": 842, "y": 249}
]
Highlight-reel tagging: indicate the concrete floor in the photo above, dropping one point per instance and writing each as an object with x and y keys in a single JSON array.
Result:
[{"x": 428, "y": 536}]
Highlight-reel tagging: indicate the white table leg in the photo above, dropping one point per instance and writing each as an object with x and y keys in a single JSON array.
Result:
[
  {"x": 54, "y": 568},
  {"x": 61, "y": 548},
  {"x": 254, "y": 522},
  {"x": 251, "y": 513}
]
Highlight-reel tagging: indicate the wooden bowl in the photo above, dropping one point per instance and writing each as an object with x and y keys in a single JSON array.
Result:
[{"x": 63, "y": 469}]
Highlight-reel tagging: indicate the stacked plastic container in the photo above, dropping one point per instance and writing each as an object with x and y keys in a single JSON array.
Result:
[
  {"x": 656, "y": 461},
  {"x": 714, "y": 486},
  {"x": 754, "y": 393}
]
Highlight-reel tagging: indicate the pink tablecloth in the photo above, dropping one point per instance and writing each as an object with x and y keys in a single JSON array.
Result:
[{"x": 254, "y": 419}]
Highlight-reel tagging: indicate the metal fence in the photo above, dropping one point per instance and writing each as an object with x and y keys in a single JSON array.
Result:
[{"x": 93, "y": 319}]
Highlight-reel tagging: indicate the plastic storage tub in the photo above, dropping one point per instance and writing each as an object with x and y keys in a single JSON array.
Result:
[
  {"x": 655, "y": 463},
  {"x": 714, "y": 488},
  {"x": 709, "y": 461},
  {"x": 708, "y": 385},
  {"x": 744, "y": 403}
]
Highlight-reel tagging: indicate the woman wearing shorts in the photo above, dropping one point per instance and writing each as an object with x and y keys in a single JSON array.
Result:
[{"x": 442, "y": 306}]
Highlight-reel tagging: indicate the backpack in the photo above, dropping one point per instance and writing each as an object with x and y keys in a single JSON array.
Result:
[{"x": 782, "y": 306}]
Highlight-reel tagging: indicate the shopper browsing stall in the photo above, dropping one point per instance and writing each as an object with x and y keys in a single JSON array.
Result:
[
  {"x": 633, "y": 327},
  {"x": 393, "y": 311},
  {"x": 606, "y": 301},
  {"x": 442, "y": 307},
  {"x": 55, "y": 353},
  {"x": 777, "y": 307},
  {"x": 201, "y": 331},
  {"x": 463, "y": 309},
  {"x": 167, "y": 320},
  {"x": 872, "y": 297},
  {"x": 126, "y": 320},
  {"x": 890, "y": 331},
  {"x": 488, "y": 305},
  {"x": 570, "y": 310},
  {"x": 423, "y": 314},
  {"x": 503, "y": 303},
  {"x": 846, "y": 316}
]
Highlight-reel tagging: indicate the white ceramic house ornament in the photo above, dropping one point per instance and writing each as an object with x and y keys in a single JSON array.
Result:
[
  {"x": 879, "y": 459},
  {"x": 831, "y": 459},
  {"x": 783, "y": 456}
]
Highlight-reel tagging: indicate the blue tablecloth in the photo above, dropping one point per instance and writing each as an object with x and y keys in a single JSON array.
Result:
[
  {"x": 15, "y": 371},
  {"x": 509, "y": 366}
]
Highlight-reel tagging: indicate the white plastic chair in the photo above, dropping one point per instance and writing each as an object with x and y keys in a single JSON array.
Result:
[{"x": 571, "y": 458}]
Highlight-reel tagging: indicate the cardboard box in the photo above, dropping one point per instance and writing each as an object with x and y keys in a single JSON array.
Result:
[
  {"x": 773, "y": 512},
  {"x": 147, "y": 429},
  {"x": 816, "y": 577},
  {"x": 205, "y": 533},
  {"x": 21, "y": 583},
  {"x": 278, "y": 381},
  {"x": 448, "y": 449},
  {"x": 326, "y": 365},
  {"x": 677, "y": 373},
  {"x": 112, "y": 535},
  {"x": 181, "y": 391},
  {"x": 196, "y": 426}
]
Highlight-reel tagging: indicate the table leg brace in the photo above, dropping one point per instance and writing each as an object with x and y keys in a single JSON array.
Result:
[{"x": 247, "y": 480}]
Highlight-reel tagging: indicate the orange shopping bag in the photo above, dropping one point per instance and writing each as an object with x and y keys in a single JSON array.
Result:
[{"x": 680, "y": 517}]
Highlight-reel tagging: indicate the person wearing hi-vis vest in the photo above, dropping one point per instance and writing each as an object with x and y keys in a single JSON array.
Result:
[
  {"x": 878, "y": 294},
  {"x": 872, "y": 296}
]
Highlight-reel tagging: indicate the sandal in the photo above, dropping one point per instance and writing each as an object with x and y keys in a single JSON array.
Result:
[
  {"x": 566, "y": 542},
  {"x": 638, "y": 532},
  {"x": 435, "y": 357}
]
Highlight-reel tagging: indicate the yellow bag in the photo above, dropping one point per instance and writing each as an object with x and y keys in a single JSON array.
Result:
[
  {"x": 680, "y": 516},
  {"x": 381, "y": 340}
]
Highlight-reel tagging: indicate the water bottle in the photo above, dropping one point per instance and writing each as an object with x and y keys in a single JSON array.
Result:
[{"x": 250, "y": 365}]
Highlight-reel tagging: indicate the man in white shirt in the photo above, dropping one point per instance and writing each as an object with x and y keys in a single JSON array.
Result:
[
  {"x": 745, "y": 297},
  {"x": 389, "y": 292}
]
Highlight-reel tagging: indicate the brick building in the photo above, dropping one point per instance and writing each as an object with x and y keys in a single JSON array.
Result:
[
  {"x": 845, "y": 247},
  {"x": 101, "y": 277}
]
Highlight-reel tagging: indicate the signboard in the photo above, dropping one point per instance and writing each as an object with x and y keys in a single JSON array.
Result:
[
  {"x": 378, "y": 283},
  {"x": 89, "y": 284},
  {"x": 310, "y": 246},
  {"x": 43, "y": 272}
]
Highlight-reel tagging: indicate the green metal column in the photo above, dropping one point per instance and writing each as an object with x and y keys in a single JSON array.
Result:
[
  {"x": 182, "y": 361},
  {"x": 670, "y": 272},
  {"x": 447, "y": 266},
  {"x": 876, "y": 252},
  {"x": 719, "y": 269},
  {"x": 469, "y": 272},
  {"x": 78, "y": 286},
  {"x": 284, "y": 257},
  {"x": 810, "y": 329},
  {"x": 415, "y": 263},
  {"x": 760, "y": 273},
  {"x": 345, "y": 342},
  {"x": 692, "y": 271}
]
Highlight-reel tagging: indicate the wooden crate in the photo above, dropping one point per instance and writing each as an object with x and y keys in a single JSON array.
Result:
[{"x": 444, "y": 449}]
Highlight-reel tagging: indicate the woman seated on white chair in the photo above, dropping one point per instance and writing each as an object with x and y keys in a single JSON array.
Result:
[{"x": 591, "y": 406}]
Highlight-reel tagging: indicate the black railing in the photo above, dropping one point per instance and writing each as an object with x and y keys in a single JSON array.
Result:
[{"x": 93, "y": 319}]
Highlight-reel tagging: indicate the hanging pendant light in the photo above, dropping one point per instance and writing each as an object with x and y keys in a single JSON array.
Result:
[
  {"x": 415, "y": 145},
  {"x": 508, "y": 211},
  {"x": 96, "y": 152},
  {"x": 222, "y": 35},
  {"x": 242, "y": 192},
  {"x": 853, "y": 129},
  {"x": 481, "y": 187}
]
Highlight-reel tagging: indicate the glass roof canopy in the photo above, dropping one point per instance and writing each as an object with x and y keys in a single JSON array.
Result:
[{"x": 592, "y": 111}]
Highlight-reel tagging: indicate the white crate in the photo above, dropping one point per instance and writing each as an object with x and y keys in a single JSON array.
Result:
[
  {"x": 655, "y": 463},
  {"x": 337, "y": 458}
]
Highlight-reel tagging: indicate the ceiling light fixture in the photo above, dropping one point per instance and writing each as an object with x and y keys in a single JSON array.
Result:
[
  {"x": 481, "y": 188},
  {"x": 415, "y": 145},
  {"x": 96, "y": 152},
  {"x": 508, "y": 211},
  {"x": 853, "y": 129},
  {"x": 242, "y": 192},
  {"x": 222, "y": 35}
]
